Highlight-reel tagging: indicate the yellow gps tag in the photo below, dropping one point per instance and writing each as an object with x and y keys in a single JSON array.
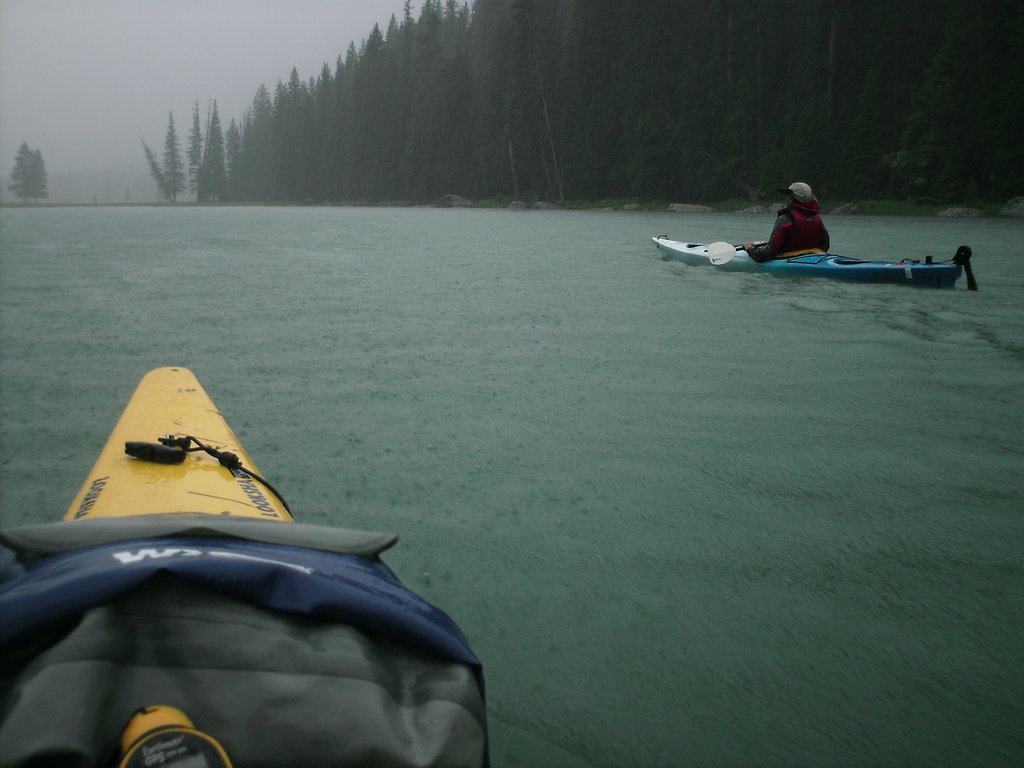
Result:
[{"x": 165, "y": 736}]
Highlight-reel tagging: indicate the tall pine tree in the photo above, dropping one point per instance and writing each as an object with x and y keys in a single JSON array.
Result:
[
  {"x": 232, "y": 158},
  {"x": 195, "y": 155},
  {"x": 174, "y": 172},
  {"x": 214, "y": 170},
  {"x": 169, "y": 177}
]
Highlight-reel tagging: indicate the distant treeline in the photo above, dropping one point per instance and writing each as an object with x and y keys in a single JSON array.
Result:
[{"x": 655, "y": 99}]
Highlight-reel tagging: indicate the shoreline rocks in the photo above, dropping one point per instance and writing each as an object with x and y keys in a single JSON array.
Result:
[
  {"x": 961, "y": 213},
  {"x": 688, "y": 208},
  {"x": 845, "y": 209},
  {"x": 1014, "y": 207},
  {"x": 454, "y": 201}
]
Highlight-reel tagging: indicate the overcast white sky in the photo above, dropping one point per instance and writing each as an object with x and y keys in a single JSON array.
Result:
[{"x": 83, "y": 80}]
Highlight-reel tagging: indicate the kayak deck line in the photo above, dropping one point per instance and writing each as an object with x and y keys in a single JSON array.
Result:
[{"x": 173, "y": 450}]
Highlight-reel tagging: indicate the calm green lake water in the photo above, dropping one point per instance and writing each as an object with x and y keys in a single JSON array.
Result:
[{"x": 685, "y": 517}]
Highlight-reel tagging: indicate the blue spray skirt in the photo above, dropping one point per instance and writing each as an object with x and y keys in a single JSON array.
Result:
[{"x": 45, "y": 593}]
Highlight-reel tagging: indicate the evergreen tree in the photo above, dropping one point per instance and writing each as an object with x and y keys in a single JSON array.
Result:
[
  {"x": 21, "y": 176},
  {"x": 426, "y": 149},
  {"x": 169, "y": 177},
  {"x": 493, "y": 157},
  {"x": 233, "y": 159},
  {"x": 195, "y": 155},
  {"x": 323, "y": 94},
  {"x": 39, "y": 175},
  {"x": 173, "y": 172},
  {"x": 369, "y": 132},
  {"x": 255, "y": 177},
  {"x": 155, "y": 170},
  {"x": 1001, "y": 30},
  {"x": 292, "y": 143},
  {"x": 214, "y": 169},
  {"x": 28, "y": 178}
]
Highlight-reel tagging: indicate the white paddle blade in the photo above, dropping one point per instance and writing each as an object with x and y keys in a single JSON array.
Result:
[{"x": 721, "y": 253}]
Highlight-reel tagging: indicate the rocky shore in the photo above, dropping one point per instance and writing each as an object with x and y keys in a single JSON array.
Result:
[{"x": 1013, "y": 208}]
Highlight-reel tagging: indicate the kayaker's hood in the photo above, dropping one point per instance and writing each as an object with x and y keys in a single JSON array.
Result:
[{"x": 809, "y": 208}]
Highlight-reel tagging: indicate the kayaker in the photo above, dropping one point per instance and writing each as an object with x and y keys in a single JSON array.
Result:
[{"x": 798, "y": 226}]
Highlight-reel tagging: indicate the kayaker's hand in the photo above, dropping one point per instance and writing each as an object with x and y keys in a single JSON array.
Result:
[{"x": 747, "y": 247}]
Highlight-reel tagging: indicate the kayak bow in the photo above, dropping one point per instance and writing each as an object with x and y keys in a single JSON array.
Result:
[{"x": 144, "y": 470}]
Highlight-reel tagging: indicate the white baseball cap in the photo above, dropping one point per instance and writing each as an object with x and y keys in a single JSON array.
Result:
[{"x": 798, "y": 189}]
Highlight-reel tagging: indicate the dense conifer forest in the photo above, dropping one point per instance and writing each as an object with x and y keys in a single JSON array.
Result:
[{"x": 695, "y": 100}]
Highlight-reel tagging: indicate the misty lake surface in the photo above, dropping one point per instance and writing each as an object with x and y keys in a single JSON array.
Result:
[{"x": 685, "y": 517}]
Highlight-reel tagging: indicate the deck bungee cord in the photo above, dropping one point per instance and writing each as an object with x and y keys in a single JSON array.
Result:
[{"x": 173, "y": 450}]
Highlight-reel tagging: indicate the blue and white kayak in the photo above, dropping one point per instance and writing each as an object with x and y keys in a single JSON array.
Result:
[{"x": 820, "y": 264}]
